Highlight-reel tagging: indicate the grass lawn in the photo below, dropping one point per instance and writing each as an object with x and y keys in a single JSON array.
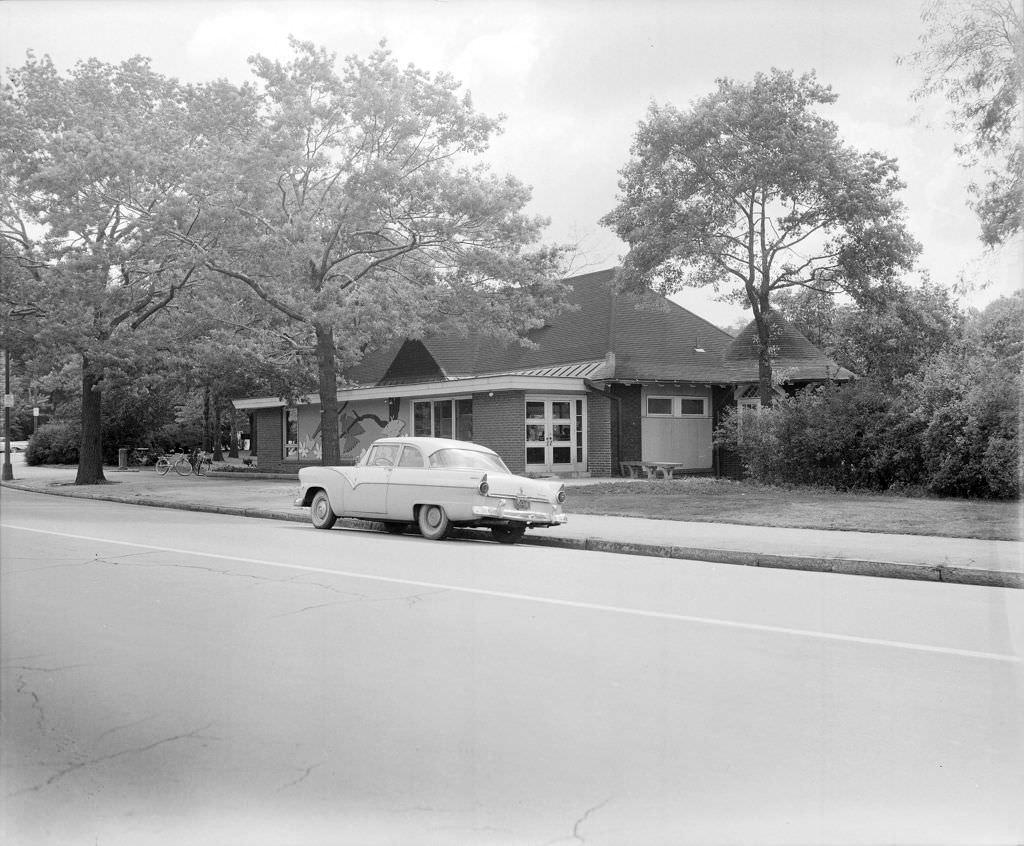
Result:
[{"x": 725, "y": 501}]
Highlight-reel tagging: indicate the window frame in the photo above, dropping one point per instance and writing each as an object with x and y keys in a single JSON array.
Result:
[
  {"x": 290, "y": 421},
  {"x": 452, "y": 402},
  {"x": 676, "y": 406},
  {"x": 703, "y": 407},
  {"x": 409, "y": 449},
  {"x": 671, "y": 406}
]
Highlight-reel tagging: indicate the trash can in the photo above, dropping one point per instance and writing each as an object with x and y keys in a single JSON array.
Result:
[{"x": 122, "y": 459}]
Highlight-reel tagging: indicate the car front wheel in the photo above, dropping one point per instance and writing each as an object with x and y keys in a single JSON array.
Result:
[
  {"x": 320, "y": 512},
  {"x": 434, "y": 523},
  {"x": 508, "y": 534}
]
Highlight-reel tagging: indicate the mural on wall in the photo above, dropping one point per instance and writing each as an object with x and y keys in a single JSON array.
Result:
[{"x": 356, "y": 431}]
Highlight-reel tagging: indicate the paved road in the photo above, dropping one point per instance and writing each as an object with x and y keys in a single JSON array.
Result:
[{"x": 171, "y": 677}]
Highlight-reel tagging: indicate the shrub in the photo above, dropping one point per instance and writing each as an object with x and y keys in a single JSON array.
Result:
[{"x": 54, "y": 443}]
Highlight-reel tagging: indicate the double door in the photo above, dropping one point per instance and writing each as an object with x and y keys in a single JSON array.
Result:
[{"x": 554, "y": 435}]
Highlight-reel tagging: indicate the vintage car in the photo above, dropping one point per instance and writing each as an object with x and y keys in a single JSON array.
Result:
[{"x": 435, "y": 484}]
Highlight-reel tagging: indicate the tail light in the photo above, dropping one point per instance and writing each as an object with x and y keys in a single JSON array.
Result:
[
  {"x": 484, "y": 487},
  {"x": 561, "y": 495}
]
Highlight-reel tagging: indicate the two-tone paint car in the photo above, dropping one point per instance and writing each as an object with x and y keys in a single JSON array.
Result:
[{"x": 435, "y": 484}]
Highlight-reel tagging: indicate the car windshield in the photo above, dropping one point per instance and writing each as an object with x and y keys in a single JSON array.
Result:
[{"x": 467, "y": 459}]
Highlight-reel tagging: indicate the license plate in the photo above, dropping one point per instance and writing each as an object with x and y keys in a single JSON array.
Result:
[{"x": 522, "y": 504}]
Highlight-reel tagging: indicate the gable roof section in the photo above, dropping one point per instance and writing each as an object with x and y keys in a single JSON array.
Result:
[
  {"x": 606, "y": 335},
  {"x": 412, "y": 363},
  {"x": 793, "y": 356}
]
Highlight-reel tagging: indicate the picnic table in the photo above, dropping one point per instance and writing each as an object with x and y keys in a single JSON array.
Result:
[{"x": 652, "y": 469}]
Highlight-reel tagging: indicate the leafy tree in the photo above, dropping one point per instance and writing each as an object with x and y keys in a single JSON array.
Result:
[
  {"x": 79, "y": 155},
  {"x": 883, "y": 339},
  {"x": 950, "y": 428},
  {"x": 750, "y": 186},
  {"x": 352, "y": 206},
  {"x": 972, "y": 53}
]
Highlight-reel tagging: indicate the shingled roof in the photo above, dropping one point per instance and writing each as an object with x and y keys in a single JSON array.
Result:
[
  {"x": 794, "y": 358},
  {"x": 609, "y": 336}
]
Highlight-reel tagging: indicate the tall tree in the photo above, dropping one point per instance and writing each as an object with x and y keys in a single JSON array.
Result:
[
  {"x": 356, "y": 209},
  {"x": 80, "y": 154},
  {"x": 972, "y": 53},
  {"x": 750, "y": 186}
]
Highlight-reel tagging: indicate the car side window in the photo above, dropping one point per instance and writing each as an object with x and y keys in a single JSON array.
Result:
[
  {"x": 382, "y": 456},
  {"x": 411, "y": 457}
]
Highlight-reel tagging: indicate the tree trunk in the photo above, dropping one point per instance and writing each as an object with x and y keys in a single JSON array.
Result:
[
  {"x": 764, "y": 357},
  {"x": 90, "y": 450},
  {"x": 327, "y": 368},
  {"x": 218, "y": 447},
  {"x": 233, "y": 425},
  {"x": 207, "y": 439}
]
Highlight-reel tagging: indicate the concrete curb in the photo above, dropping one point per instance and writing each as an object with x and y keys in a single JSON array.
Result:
[{"x": 841, "y": 566}]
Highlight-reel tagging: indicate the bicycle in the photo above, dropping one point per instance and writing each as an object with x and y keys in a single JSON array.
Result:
[
  {"x": 179, "y": 461},
  {"x": 200, "y": 461}
]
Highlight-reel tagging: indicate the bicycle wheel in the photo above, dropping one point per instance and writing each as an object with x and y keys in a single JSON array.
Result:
[
  {"x": 182, "y": 466},
  {"x": 201, "y": 466},
  {"x": 163, "y": 465}
]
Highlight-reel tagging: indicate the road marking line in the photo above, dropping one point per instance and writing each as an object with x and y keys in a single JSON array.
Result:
[{"x": 565, "y": 603}]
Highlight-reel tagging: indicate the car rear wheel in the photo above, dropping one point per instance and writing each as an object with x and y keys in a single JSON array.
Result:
[
  {"x": 508, "y": 534},
  {"x": 434, "y": 523},
  {"x": 320, "y": 512}
]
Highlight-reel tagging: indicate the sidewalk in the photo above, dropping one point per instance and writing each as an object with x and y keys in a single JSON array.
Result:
[{"x": 956, "y": 560}]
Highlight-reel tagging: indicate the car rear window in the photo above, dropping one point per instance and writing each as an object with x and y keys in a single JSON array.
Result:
[{"x": 467, "y": 459}]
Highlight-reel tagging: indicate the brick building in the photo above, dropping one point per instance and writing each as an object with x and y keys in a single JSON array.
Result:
[{"x": 618, "y": 380}]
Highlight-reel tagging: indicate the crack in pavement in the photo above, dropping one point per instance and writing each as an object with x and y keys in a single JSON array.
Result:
[
  {"x": 123, "y": 727},
  {"x": 113, "y": 562},
  {"x": 579, "y": 823},
  {"x": 303, "y": 777},
  {"x": 22, "y": 686},
  {"x": 21, "y": 683},
  {"x": 412, "y": 599},
  {"x": 102, "y": 758},
  {"x": 576, "y": 828}
]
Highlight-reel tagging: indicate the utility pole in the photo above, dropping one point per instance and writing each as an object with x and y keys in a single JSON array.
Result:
[{"x": 8, "y": 473}]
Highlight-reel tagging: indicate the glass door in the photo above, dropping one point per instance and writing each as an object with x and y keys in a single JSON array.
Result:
[{"x": 551, "y": 435}]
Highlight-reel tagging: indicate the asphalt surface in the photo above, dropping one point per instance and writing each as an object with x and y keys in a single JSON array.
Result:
[
  {"x": 953, "y": 560},
  {"x": 172, "y": 677}
]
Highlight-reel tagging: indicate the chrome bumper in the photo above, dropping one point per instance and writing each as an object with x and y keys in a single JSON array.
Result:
[{"x": 506, "y": 512}]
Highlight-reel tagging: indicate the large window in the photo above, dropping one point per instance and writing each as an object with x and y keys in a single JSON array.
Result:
[{"x": 443, "y": 419}]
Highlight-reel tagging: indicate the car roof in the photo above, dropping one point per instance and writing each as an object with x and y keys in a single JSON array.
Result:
[{"x": 432, "y": 445}]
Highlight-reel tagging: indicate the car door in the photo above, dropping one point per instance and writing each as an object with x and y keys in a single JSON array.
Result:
[
  {"x": 405, "y": 481},
  {"x": 370, "y": 481}
]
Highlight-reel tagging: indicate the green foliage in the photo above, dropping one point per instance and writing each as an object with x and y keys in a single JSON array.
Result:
[
  {"x": 972, "y": 53},
  {"x": 886, "y": 338},
  {"x": 54, "y": 443},
  {"x": 950, "y": 428},
  {"x": 752, "y": 188},
  {"x": 351, "y": 201}
]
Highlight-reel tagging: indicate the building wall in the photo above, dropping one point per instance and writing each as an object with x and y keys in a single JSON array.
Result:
[
  {"x": 600, "y": 434},
  {"x": 629, "y": 440},
  {"x": 269, "y": 423},
  {"x": 498, "y": 423}
]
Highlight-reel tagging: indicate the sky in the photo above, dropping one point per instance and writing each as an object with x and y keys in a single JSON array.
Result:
[{"x": 573, "y": 79}]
